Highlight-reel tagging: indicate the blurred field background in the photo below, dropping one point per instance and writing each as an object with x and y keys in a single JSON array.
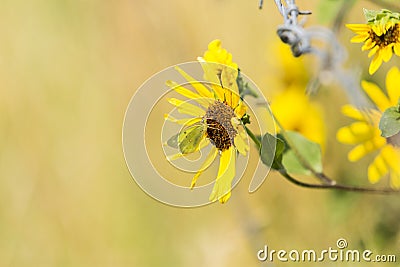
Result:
[{"x": 67, "y": 72}]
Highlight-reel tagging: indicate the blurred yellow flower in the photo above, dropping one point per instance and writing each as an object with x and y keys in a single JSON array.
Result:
[
  {"x": 289, "y": 102},
  {"x": 381, "y": 35},
  {"x": 216, "y": 121},
  {"x": 365, "y": 134},
  {"x": 296, "y": 112}
]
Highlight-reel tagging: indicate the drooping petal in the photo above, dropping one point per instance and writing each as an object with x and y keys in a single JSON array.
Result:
[
  {"x": 207, "y": 162},
  {"x": 375, "y": 63},
  {"x": 393, "y": 85},
  {"x": 226, "y": 173},
  {"x": 376, "y": 95},
  {"x": 241, "y": 144},
  {"x": 373, "y": 51},
  {"x": 387, "y": 52},
  {"x": 377, "y": 169},
  {"x": 186, "y": 108},
  {"x": 396, "y": 49}
]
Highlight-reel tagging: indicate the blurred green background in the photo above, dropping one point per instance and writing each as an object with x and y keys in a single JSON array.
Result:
[{"x": 67, "y": 72}]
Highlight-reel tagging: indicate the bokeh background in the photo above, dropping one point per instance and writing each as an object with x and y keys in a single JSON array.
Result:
[{"x": 67, "y": 72}]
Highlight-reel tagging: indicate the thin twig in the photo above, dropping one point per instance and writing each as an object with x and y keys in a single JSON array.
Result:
[{"x": 338, "y": 186}]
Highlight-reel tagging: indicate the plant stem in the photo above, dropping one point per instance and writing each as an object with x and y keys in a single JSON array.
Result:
[
  {"x": 338, "y": 186},
  {"x": 253, "y": 137},
  {"x": 328, "y": 183}
]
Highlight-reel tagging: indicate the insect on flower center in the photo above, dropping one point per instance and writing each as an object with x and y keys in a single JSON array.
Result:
[
  {"x": 220, "y": 130},
  {"x": 391, "y": 36}
]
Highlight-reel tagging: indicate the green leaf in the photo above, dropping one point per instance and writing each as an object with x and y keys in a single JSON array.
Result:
[
  {"x": 370, "y": 15},
  {"x": 308, "y": 150},
  {"x": 271, "y": 151},
  {"x": 390, "y": 122}
]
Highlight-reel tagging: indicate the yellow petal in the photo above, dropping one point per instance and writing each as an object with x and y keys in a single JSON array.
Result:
[
  {"x": 186, "y": 108},
  {"x": 368, "y": 45},
  {"x": 203, "y": 143},
  {"x": 392, "y": 157},
  {"x": 175, "y": 156},
  {"x": 226, "y": 173},
  {"x": 241, "y": 144},
  {"x": 377, "y": 169},
  {"x": 218, "y": 91},
  {"x": 355, "y": 133},
  {"x": 376, "y": 62},
  {"x": 363, "y": 149},
  {"x": 187, "y": 122},
  {"x": 231, "y": 93},
  {"x": 376, "y": 95},
  {"x": 378, "y": 30},
  {"x": 393, "y": 85},
  {"x": 352, "y": 112},
  {"x": 396, "y": 49},
  {"x": 198, "y": 86},
  {"x": 395, "y": 180},
  {"x": 205, "y": 102},
  {"x": 373, "y": 51},
  {"x": 359, "y": 38},
  {"x": 240, "y": 109},
  {"x": 359, "y": 28},
  {"x": 207, "y": 162},
  {"x": 387, "y": 53}
]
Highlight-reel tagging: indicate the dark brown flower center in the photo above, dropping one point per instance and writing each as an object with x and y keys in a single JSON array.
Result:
[
  {"x": 394, "y": 140},
  {"x": 220, "y": 130},
  {"x": 391, "y": 36}
]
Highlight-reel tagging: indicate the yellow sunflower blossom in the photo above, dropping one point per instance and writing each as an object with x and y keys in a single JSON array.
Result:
[
  {"x": 365, "y": 134},
  {"x": 289, "y": 102},
  {"x": 381, "y": 35},
  {"x": 215, "y": 121},
  {"x": 296, "y": 112}
]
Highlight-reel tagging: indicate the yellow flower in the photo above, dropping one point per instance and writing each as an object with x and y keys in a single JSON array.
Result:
[
  {"x": 365, "y": 134},
  {"x": 216, "y": 120},
  {"x": 289, "y": 102},
  {"x": 296, "y": 112},
  {"x": 381, "y": 35}
]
